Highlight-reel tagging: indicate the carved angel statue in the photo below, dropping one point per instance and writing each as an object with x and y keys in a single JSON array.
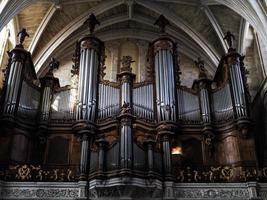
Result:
[
  {"x": 21, "y": 35},
  {"x": 200, "y": 65},
  {"x": 53, "y": 64},
  {"x": 92, "y": 22},
  {"x": 126, "y": 108},
  {"x": 126, "y": 63},
  {"x": 229, "y": 37}
]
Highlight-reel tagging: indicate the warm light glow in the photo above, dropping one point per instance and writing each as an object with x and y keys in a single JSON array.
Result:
[{"x": 176, "y": 150}]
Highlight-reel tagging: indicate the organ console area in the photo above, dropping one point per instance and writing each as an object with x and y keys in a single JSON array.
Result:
[{"x": 155, "y": 128}]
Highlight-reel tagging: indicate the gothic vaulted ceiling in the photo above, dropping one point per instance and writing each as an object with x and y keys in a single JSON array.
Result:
[{"x": 198, "y": 26}]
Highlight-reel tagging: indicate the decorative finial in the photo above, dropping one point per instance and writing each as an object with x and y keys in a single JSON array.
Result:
[
  {"x": 162, "y": 22},
  {"x": 229, "y": 37},
  {"x": 200, "y": 65},
  {"x": 92, "y": 22},
  {"x": 126, "y": 63},
  {"x": 21, "y": 35},
  {"x": 53, "y": 64}
]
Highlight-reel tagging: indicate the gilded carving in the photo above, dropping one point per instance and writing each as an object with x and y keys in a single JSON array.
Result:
[
  {"x": 90, "y": 44},
  {"x": 163, "y": 44}
]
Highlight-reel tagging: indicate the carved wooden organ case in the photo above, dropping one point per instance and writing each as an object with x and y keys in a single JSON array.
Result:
[{"x": 145, "y": 128}]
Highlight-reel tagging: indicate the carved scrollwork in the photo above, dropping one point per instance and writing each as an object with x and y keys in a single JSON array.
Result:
[{"x": 38, "y": 173}]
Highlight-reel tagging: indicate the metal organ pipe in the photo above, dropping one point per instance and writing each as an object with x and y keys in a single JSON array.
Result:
[
  {"x": 165, "y": 96},
  {"x": 238, "y": 90},
  {"x": 108, "y": 104},
  {"x": 205, "y": 104},
  {"x": 143, "y": 102},
  {"x": 89, "y": 64},
  {"x": 48, "y": 83},
  {"x": 19, "y": 60},
  {"x": 13, "y": 86},
  {"x": 90, "y": 49},
  {"x": 165, "y": 84}
]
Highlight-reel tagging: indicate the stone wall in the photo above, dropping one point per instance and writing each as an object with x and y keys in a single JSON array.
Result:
[{"x": 132, "y": 188}]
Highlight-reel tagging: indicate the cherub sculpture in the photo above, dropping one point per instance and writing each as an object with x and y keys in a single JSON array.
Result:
[
  {"x": 126, "y": 63},
  {"x": 126, "y": 108}
]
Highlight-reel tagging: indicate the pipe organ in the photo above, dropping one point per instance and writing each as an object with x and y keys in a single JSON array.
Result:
[{"x": 127, "y": 128}]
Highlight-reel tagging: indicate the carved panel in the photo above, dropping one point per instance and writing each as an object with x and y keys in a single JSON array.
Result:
[{"x": 58, "y": 150}]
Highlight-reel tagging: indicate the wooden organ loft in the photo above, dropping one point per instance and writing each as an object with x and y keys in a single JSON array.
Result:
[{"x": 155, "y": 129}]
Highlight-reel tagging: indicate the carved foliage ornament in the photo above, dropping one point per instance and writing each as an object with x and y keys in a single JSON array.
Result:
[
  {"x": 91, "y": 44},
  {"x": 163, "y": 44}
]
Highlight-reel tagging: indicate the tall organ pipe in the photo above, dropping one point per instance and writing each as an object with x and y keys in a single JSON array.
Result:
[
  {"x": 18, "y": 59},
  {"x": 204, "y": 86},
  {"x": 164, "y": 56},
  {"x": 90, "y": 51},
  {"x": 165, "y": 80},
  {"x": 48, "y": 83},
  {"x": 238, "y": 89}
]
